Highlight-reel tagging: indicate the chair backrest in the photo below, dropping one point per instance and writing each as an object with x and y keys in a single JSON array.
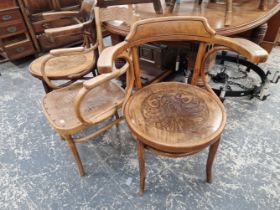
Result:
[
  {"x": 183, "y": 28},
  {"x": 114, "y": 13}
]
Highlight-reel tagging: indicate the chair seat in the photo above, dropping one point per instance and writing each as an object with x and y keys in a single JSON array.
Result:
[
  {"x": 63, "y": 66},
  {"x": 175, "y": 117},
  {"x": 58, "y": 105}
]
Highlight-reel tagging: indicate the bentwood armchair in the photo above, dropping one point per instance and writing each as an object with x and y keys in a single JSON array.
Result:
[
  {"x": 75, "y": 107},
  {"x": 71, "y": 109},
  {"x": 69, "y": 64},
  {"x": 170, "y": 118}
]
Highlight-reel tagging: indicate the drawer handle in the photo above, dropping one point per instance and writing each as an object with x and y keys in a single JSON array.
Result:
[
  {"x": 6, "y": 17},
  {"x": 12, "y": 29},
  {"x": 20, "y": 49}
]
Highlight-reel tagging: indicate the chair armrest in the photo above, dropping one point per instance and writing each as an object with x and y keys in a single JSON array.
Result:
[
  {"x": 58, "y": 15},
  {"x": 254, "y": 48},
  {"x": 65, "y": 31},
  {"x": 253, "y": 52},
  {"x": 90, "y": 84},
  {"x": 65, "y": 51},
  {"x": 107, "y": 57},
  {"x": 72, "y": 50}
]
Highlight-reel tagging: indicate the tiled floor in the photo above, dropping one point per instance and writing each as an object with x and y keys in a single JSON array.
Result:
[{"x": 37, "y": 170}]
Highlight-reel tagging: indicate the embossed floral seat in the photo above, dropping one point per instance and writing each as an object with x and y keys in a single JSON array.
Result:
[{"x": 170, "y": 118}]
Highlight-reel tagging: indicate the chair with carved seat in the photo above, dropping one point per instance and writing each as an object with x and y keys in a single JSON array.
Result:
[
  {"x": 176, "y": 119},
  {"x": 69, "y": 64}
]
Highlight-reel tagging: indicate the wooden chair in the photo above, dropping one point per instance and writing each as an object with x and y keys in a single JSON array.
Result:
[
  {"x": 228, "y": 15},
  {"x": 68, "y": 64},
  {"x": 73, "y": 108},
  {"x": 176, "y": 119}
]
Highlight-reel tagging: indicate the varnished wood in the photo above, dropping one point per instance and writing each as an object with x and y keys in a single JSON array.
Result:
[
  {"x": 15, "y": 41},
  {"x": 229, "y": 6},
  {"x": 175, "y": 119},
  {"x": 212, "y": 152},
  {"x": 73, "y": 148},
  {"x": 140, "y": 148},
  {"x": 123, "y": 14},
  {"x": 59, "y": 16},
  {"x": 106, "y": 3},
  {"x": 246, "y": 16},
  {"x": 71, "y": 109},
  {"x": 68, "y": 64}
]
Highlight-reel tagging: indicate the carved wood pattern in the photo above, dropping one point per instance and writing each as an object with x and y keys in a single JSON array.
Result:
[{"x": 174, "y": 111}]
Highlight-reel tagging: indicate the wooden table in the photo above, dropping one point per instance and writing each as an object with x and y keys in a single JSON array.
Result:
[{"x": 246, "y": 16}]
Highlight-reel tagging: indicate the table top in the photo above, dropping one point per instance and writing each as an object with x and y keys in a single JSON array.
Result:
[{"x": 246, "y": 15}]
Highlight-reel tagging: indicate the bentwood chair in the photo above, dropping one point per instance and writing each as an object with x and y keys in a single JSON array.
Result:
[
  {"x": 177, "y": 119},
  {"x": 68, "y": 64},
  {"x": 78, "y": 106}
]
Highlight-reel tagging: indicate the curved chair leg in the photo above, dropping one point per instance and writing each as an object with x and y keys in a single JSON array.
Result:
[
  {"x": 211, "y": 156},
  {"x": 73, "y": 148},
  {"x": 117, "y": 115},
  {"x": 140, "y": 148},
  {"x": 46, "y": 87}
]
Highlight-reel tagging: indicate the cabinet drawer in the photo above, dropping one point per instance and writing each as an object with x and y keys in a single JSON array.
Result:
[
  {"x": 19, "y": 50},
  {"x": 9, "y": 15},
  {"x": 40, "y": 26},
  {"x": 7, "y": 4},
  {"x": 11, "y": 29}
]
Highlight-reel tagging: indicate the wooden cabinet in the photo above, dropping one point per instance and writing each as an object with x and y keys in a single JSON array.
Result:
[
  {"x": 33, "y": 10},
  {"x": 15, "y": 41}
]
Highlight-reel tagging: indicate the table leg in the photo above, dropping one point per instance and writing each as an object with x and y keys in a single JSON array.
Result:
[{"x": 157, "y": 6}]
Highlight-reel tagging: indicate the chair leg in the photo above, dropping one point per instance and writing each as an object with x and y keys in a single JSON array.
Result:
[
  {"x": 117, "y": 115},
  {"x": 140, "y": 148},
  {"x": 46, "y": 87},
  {"x": 211, "y": 156},
  {"x": 73, "y": 148}
]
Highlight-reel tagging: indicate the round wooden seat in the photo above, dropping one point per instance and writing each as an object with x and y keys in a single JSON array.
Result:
[
  {"x": 58, "y": 106},
  {"x": 174, "y": 117},
  {"x": 63, "y": 67}
]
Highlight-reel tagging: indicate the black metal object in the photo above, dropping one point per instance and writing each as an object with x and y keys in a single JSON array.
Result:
[{"x": 226, "y": 90}]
